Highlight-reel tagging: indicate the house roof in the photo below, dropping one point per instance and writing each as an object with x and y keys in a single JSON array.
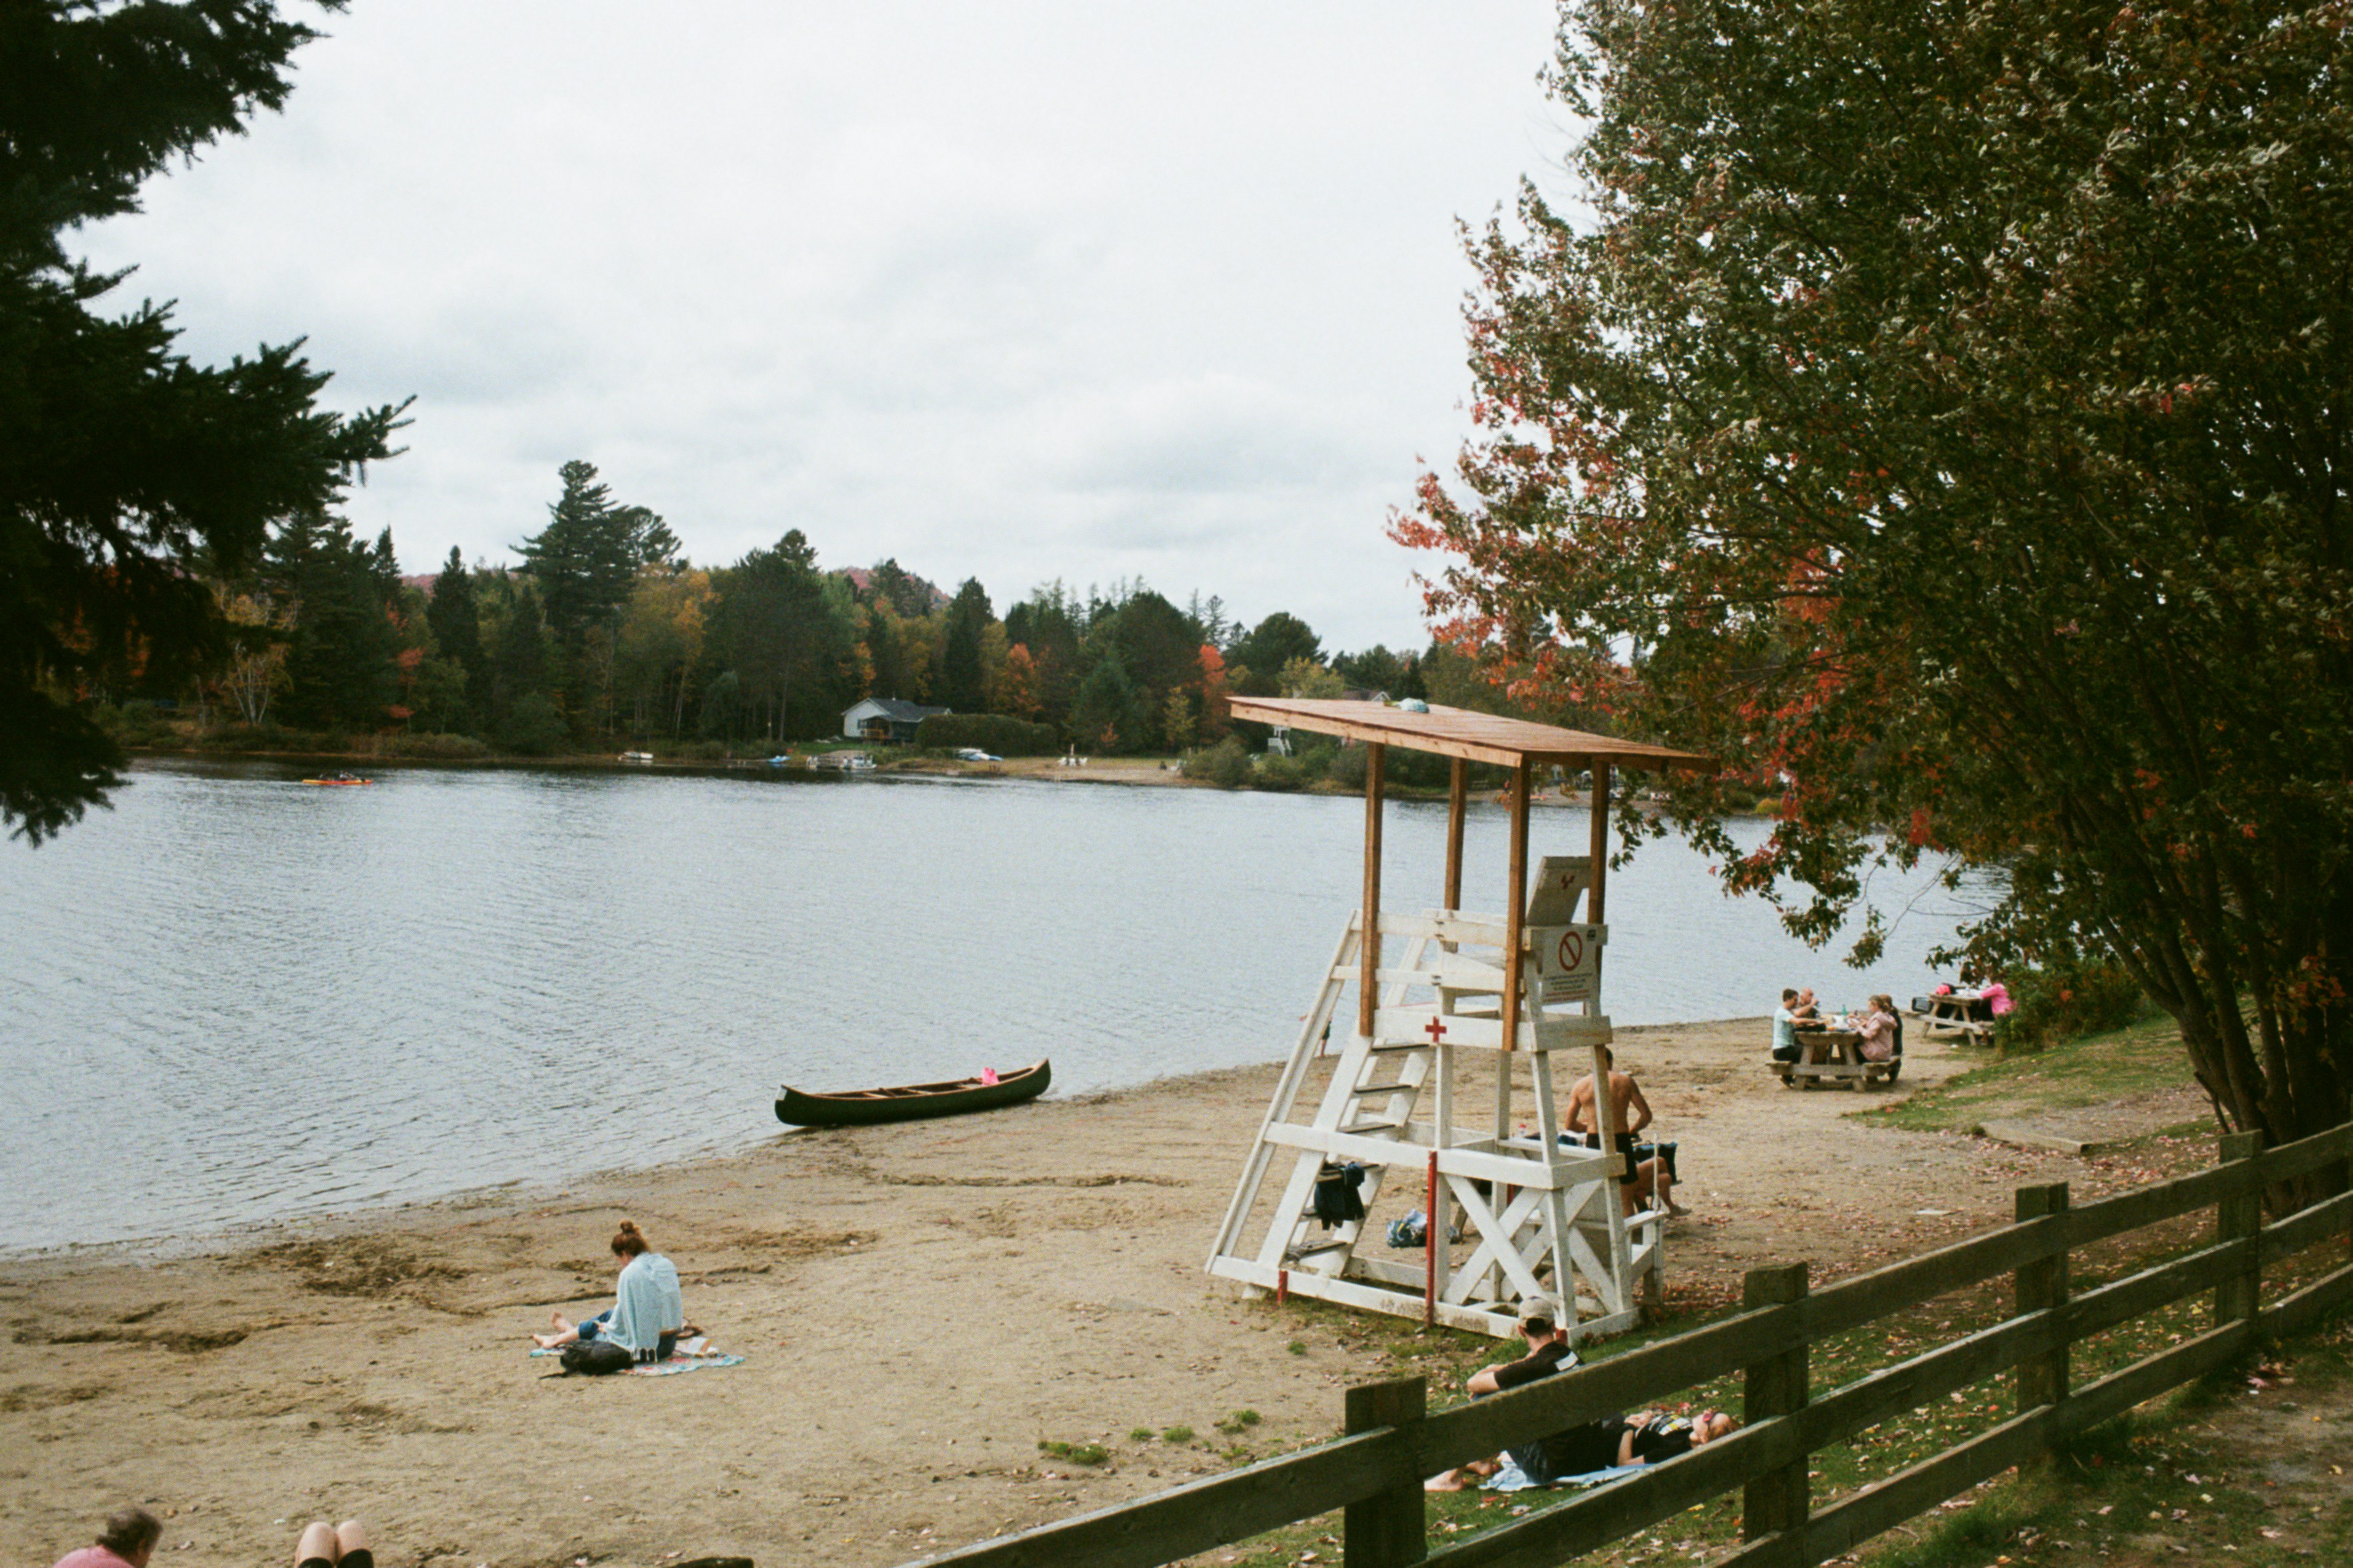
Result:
[
  {"x": 896, "y": 711},
  {"x": 1460, "y": 732}
]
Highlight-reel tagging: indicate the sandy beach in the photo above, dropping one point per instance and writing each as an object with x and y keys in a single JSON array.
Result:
[{"x": 918, "y": 1307}]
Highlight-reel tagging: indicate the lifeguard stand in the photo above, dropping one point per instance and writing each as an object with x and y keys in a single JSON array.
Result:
[{"x": 1437, "y": 992}]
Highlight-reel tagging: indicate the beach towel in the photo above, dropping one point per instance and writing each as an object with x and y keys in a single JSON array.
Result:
[
  {"x": 1512, "y": 1478},
  {"x": 687, "y": 1355}
]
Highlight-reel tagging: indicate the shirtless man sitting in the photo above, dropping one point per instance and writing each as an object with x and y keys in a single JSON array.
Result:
[{"x": 1635, "y": 1183}]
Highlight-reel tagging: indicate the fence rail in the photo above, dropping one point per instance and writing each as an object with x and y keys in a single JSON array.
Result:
[{"x": 1375, "y": 1471}]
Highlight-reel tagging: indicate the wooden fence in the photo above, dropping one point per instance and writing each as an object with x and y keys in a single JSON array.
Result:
[{"x": 1375, "y": 1469}]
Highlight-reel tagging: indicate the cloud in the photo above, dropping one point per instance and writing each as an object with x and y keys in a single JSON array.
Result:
[{"x": 1016, "y": 293}]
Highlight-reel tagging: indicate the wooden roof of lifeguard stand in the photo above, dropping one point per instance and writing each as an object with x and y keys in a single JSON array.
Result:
[{"x": 1468, "y": 736}]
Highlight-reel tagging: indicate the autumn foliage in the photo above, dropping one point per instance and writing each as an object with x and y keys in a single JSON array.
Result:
[{"x": 1940, "y": 413}]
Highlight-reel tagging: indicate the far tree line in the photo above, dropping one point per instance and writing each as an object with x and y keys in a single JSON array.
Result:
[{"x": 605, "y": 635}]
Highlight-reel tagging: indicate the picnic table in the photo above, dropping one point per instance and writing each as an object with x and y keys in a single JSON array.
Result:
[
  {"x": 1845, "y": 1065},
  {"x": 1962, "y": 1014}
]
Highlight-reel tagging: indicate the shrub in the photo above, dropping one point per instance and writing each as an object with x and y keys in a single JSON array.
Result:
[
  {"x": 1225, "y": 765},
  {"x": 534, "y": 726},
  {"x": 1347, "y": 767},
  {"x": 999, "y": 733},
  {"x": 1284, "y": 773},
  {"x": 2063, "y": 1000}
]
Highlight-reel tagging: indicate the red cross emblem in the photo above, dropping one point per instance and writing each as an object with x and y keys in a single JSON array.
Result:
[{"x": 1435, "y": 1029}]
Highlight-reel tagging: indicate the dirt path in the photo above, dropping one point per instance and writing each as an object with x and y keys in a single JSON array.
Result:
[{"x": 919, "y": 1308}]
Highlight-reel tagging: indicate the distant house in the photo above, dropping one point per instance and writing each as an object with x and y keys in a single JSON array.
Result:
[{"x": 885, "y": 719}]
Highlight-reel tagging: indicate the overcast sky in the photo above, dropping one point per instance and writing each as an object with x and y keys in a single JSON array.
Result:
[{"x": 1009, "y": 291}]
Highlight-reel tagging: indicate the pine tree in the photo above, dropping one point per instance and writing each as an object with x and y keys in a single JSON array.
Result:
[
  {"x": 456, "y": 622},
  {"x": 962, "y": 675},
  {"x": 128, "y": 476}
]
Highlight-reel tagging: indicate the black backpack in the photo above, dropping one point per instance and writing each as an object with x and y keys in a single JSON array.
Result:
[{"x": 596, "y": 1357}]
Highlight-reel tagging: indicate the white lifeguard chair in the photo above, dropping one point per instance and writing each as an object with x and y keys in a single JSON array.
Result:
[{"x": 1439, "y": 993}]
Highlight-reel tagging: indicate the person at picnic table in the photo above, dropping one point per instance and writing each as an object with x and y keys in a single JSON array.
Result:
[
  {"x": 646, "y": 1315},
  {"x": 128, "y": 1540},
  {"x": 1785, "y": 1026},
  {"x": 1645, "y": 1438},
  {"x": 1881, "y": 1032},
  {"x": 1640, "y": 1178}
]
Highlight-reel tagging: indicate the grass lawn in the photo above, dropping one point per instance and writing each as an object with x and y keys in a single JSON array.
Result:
[{"x": 2170, "y": 1479}]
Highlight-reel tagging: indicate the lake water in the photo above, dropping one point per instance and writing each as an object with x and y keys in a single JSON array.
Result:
[{"x": 235, "y": 997}]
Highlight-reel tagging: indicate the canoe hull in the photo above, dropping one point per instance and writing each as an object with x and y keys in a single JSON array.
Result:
[{"x": 914, "y": 1102}]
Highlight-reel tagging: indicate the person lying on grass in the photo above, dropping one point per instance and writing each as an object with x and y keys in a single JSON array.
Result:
[{"x": 1645, "y": 1438}]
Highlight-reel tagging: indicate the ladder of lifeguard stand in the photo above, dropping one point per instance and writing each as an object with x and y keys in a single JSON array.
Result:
[{"x": 1538, "y": 1218}]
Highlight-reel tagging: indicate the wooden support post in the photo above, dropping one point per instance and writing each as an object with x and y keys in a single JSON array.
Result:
[
  {"x": 1386, "y": 1531},
  {"x": 1369, "y": 950},
  {"x": 2236, "y": 1218},
  {"x": 1597, "y": 846},
  {"x": 1458, "y": 802},
  {"x": 2039, "y": 1285},
  {"x": 1777, "y": 1500},
  {"x": 1515, "y": 907},
  {"x": 1429, "y": 1224}
]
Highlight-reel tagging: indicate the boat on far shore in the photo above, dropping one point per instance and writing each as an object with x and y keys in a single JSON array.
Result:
[
  {"x": 339, "y": 780},
  {"x": 912, "y": 1102}
]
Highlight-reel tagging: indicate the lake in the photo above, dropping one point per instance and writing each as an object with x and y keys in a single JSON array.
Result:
[{"x": 236, "y": 998}]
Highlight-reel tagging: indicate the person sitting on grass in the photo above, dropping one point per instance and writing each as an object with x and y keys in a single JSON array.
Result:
[
  {"x": 126, "y": 1541},
  {"x": 1541, "y": 1325},
  {"x": 339, "y": 1546},
  {"x": 1647, "y": 1437},
  {"x": 647, "y": 1315}
]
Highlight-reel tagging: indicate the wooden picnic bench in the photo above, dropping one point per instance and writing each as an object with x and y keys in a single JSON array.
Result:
[
  {"x": 1952, "y": 1016},
  {"x": 1846, "y": 1067}
]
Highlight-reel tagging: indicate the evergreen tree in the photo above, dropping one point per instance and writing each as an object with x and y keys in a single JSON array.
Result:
[
  {"x": 585, "y": 561},
  {"x": 1273, "y": 643},
  {"x": 963, "y": 672},
  {"x": 339, "y": 667},
  {"x": 1106, "y": 716},
  {"x": 519, "y": 673},
  {"x": 455, "y": 620},
  {"x": 784, "y": 629},
  {"x": 911, "y": 596},
  {"x": 127, "y": 475}
]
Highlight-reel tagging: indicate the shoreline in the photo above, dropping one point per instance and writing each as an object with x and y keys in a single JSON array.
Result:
[
  {"x": 1134, "y": 772},
  {"x": 920, "y": 1307}
]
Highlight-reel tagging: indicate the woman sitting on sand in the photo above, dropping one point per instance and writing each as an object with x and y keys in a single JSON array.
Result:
[{"x": 647, "y": 1315}]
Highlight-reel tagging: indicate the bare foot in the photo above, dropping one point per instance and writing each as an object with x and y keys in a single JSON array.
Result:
[
  {"x": 1452, "y": 1481},
  {"x": 1677, "y": 1209}
]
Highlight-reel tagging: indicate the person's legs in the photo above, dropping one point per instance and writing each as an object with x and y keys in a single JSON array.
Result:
[
  {"x": 561, "y": 1331},
  {"x": 1662, "y": 1182},
  {"x": 316, "y": 1545},
  {"x": 352, "y": 1543}
]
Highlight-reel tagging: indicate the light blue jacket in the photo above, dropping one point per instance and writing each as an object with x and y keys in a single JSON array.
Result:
[{"x": 645, "y": 1305}]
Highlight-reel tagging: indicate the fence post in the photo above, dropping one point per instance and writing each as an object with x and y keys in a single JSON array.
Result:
[
  {"x": 2037, "y": 1285},
  {"x": 1778, "y": 1500},
  {"x": 2239, "y": 1217},
  {"x": 1386, "y": 1531}
]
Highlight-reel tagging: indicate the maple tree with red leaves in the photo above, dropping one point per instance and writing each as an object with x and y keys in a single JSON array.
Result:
[{"x": 1941, "y": 415}]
